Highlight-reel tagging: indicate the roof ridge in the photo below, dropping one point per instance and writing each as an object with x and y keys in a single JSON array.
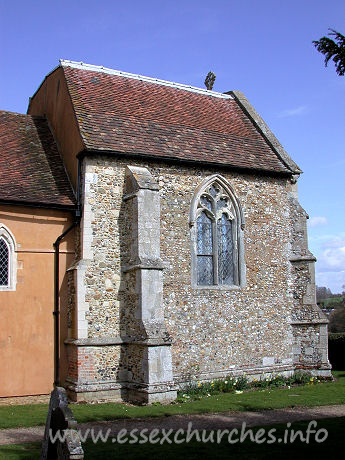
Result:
[
  {"x": 120, "y": 73},
  {"x": 20, "y": 114}
]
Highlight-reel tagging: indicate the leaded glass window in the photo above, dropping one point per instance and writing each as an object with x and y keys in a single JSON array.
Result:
[
  {"x": 8, "y": 260},
  {"x": 205, "y": 250},
  {"x": 4, "y": 263},
  {"x": 225, "y": 251},
  {"x": 216, "y": 236}
]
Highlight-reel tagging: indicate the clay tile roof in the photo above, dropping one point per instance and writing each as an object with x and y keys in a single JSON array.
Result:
[
  {"x": 31, "y": 170},
  {"x": 126, "y": 113}
]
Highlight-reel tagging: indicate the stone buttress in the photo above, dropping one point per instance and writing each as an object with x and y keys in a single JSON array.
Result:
[
  {"x": 309, "y": 324},
  {"x": 150, "y": 344},
  {"x": 119, "y": 347}
]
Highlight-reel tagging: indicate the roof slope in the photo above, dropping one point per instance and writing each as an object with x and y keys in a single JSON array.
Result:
[
  {"x": 120, "y": 112},
  {"x": 31, "y": 169}
]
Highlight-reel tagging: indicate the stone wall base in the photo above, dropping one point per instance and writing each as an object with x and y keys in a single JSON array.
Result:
[
  {"x": 310, "y": 348},
  {"x": 97, "y": 396},
  {"x": 251, "y": 373},
  {"x": 22, "y": 400},
  {"x": 167, "y": 392},
  {"x": 322, "y": 373},
  {"x": 119, "y": 392},
  {"x": 258, "y": 373},
  {"x": 95, "y": 391},
  {"x": 143, "y": 397},
  {"x": 138, "y": 396},
  {"x": 148, "y": 394}
]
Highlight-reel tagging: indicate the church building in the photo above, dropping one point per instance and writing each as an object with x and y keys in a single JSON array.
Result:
[{"x": 160, "y": 223}]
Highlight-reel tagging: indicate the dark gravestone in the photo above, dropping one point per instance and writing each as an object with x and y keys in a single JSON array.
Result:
[{"x": 59, "y": 419}]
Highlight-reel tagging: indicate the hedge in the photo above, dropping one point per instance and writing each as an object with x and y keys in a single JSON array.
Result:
[{"x": 336, "y": 350}]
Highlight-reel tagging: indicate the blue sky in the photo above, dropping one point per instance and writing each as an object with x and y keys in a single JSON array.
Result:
[{"x": 261, "y": 47}]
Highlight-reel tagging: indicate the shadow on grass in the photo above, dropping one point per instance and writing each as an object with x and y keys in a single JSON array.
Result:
[
  {"x": 330, "y": 448},
  {"x": 339, "y": 374},
  {"x": 194, "y": 450},
  {"x": 29, "y": 451}
]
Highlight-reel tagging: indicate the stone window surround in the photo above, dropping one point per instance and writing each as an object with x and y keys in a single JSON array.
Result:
[
  {"x": 217, "y": 179},
  {"x": 9, "y": 239}
]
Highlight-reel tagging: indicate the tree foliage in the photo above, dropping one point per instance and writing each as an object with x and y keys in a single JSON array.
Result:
[
  {"x": 337, "y": 319},
  {"x": 333, "y": 49},
  {"x": 322, "y": 293}
]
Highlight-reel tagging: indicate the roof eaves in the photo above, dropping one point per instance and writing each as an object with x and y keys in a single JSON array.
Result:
[
  {"x": 176, "y": 160},
  {"x": 265, "y": 131},
  {"x": 38, "y": 204}
]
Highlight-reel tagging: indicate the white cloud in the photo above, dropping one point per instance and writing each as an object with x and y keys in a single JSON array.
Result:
[
  {"x": 332, "y": 260},
  {"x": 317, "y": 220},
  {"x": 333, "y": 280},
  {"x": 293, "y": 112},
  {"x": 325, "y": 240},
  {"x": 335, "y": 242},
  {"x": 330, "y": 267}
]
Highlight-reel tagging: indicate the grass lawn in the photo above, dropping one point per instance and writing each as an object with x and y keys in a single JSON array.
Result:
[
  {"x": 330, "y": 448},
  {"x": 275, "y": 398}
]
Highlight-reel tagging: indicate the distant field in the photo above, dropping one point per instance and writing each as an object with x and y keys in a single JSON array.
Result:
[{"x": 332, "y": 301}]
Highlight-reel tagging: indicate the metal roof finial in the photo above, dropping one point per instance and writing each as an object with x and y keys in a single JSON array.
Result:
[{"x": 209, "y": 80}]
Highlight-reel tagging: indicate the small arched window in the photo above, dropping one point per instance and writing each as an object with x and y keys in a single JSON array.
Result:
[
  {"x": 4, "y": 263},
  {"x": 7, "y": 260},
  {"x": 217, "y": 243}
]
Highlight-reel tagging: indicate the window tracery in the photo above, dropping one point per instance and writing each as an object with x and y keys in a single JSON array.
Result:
[{"x": 217, "y": 223}]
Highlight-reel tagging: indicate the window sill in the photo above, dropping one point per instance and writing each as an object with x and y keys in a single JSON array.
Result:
[{"x": 219, "y": 287}]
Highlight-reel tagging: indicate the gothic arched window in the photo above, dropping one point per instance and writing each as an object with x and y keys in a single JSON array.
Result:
[
  {"x": 217, "y": 244},
  {"x": 7, "y": 260},
  {"x": 4, "y": 263}
]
